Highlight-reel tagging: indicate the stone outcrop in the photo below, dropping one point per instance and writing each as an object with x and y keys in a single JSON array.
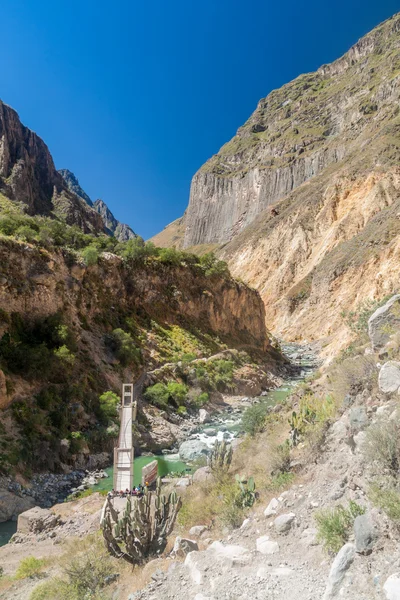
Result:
[
  {"x": 12, "y": 505},
  {"x": 28, "y": 176},
  {"x": 384, "y": 322}
]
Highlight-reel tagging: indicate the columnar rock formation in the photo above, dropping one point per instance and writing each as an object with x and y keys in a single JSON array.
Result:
[
  {"x": 296, "y": 133},
  {"x": 303, "y": 202}
]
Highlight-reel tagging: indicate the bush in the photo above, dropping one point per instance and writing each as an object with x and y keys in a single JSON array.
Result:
[
  {"x": 212, "y": 266},
  {"x": 109, "y": 402},
  {"x": 65, "y": 356},
  {"x": 335, "y": 524},
  {"x": 253, "y": 419},
  {"x": 54, "y": 589},
  {"x": 158, "y": 395},
  {"x": 382, "y": 445},
  {"x": 182, "y": 411},
  {"x": 354, "y": 375},
  {"x": 85, "y": 577},
  {"x": 387, "y": 497},
  {"x": 122, "y": 345},
  {"x": 162, "y": 394},
  {"x": 29, "y": 567},
  {"x": 90, "y": 256},
  {"x": 280, "y": 460}
]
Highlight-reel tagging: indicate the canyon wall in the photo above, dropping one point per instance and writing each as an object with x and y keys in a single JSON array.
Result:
[{"x": 297, "y": 132}]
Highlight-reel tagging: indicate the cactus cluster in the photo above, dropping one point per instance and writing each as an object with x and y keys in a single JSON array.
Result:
[
  {"x": 247, "y": 491},
  {"x": 144, "y": 526},
  {"x": 221, "y": 456}
]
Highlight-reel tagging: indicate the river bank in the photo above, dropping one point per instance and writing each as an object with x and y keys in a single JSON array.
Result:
[{"x": 48, "y": 489}]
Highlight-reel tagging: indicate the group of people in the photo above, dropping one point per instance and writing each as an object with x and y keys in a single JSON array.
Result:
[{"x": 137, "y": 491}]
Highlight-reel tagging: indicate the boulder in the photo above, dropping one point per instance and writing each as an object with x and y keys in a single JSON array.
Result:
[
  {"x": 365, "y": 532},
  {"x": 309, "y": 537},
  {"x": 192, "y": 563},
  {"x": 271, "y": 508},
  {"x": 183, "y": 546},
  {"x": 389, "y": 377},
  {"x": 340, "y": 565},
  {"x": 192, "y": 449},
  {"x": 384, "y": 322},
  {"x": 392, "y": 587},
  {"x": 284, "y": 522},
  {"x": 358, "y": 418},
  {"x": 210, "y": 432},
  {"x": 35, "y": 520},
  {"x": 12, "y": 505},
  {"x": 204, "y": 416},
  {"x": 202, "y": 474},
  {"x": 197, "y": 530},
  {"x": 235, "y": 555},
  {"x": 266, "y": 546}
]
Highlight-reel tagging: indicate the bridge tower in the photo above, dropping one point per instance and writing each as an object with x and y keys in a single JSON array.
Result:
[{"x": 124, "y": 452}]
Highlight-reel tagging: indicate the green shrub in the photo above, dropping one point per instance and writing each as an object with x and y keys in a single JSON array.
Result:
[
  {"x": 212, "y": 266},
  {"x": 86, "y": 575},
  {"x": 253, "y": 419},
  {"x": 65, "y": 356},
  {"x": 280, "y": 459},
  {"x": 382, "y": 445},
  {"x": 280, "y": 481},
  {"x": 109, "y": 402},
  {"x": 54, "y": 589},
  {"x": 335, "y": 524},
  {"x": 170, "y": 256},
  {"x": 182, "y": 411},
  {"x": 123, "y": 346},
  {"x": 177, "y": 392},
  {"x": 161, "y": 394},
  {"x": 354, "y": 375},
  {"x": 90, "y": 256},
  {"x": 202, "y": 399},
  {"x": 29, "y": 567},
  {"x": 158, "y": 395},
  {"x": 387, "y": 497}
]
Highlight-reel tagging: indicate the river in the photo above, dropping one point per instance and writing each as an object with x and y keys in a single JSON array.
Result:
[{"x": 225, "y": 425}]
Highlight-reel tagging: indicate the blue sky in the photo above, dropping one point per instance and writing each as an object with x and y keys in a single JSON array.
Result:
[{"x": 133, "y": 97}]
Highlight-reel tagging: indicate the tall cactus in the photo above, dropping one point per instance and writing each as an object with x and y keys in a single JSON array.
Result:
[
  {"x": 221, "y": 456},
  {"x": 144, "y": 526}
]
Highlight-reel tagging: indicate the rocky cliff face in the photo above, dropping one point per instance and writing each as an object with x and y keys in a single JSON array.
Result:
[
  {"x": 121, "y": 231},
  {"x": 74, "y": 186},
  {"x": 303, "y": 203},
  {"x": 69, "y": 332},
  {"x": 111, "y": 225},
  {"x": 304, "y": 129},
  {"x": 28, "y": 175}
]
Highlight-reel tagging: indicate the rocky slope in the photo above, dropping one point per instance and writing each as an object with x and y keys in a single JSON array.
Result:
[
  {"x": 303, "y": 202},
  {"x": 69, "y": 332},
  {"x": 74, "y": 186},
  {"x": 28, "y": 176},
  {"x": 112, "y": 226},
  {"x": 278, "y": 552}
]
